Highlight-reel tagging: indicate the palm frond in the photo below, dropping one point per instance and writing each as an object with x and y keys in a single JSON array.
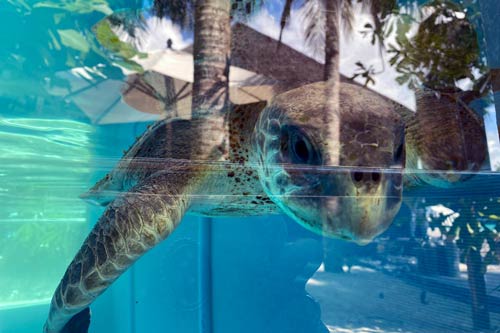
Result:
[
  {"x": 314, "y": 22},
  {"x": 285, "y": 16},
  {"x": 128, "y": 20},
  {"x": 179, "y": 11},
  {"x": 314, "y": 19},
  {"x": 379, "y": 10},
  {"x": 129, "y": 25},
  {"x": 347, "y": 15}
]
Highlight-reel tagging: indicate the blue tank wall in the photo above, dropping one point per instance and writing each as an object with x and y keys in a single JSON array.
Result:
[
  {"x": 256, "y": 281},
  {"x": 257, "y": 274}
]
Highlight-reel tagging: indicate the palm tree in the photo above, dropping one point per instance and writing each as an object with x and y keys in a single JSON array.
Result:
[{"x": 211, "y": 52}]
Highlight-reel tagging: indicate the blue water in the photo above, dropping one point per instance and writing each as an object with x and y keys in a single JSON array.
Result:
[{"x": 63, "y": 126}]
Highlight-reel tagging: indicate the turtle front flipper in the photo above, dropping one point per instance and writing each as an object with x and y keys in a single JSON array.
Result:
[
  {"x": 131, "y": 225},
  {"x": 445, "y": 140}
]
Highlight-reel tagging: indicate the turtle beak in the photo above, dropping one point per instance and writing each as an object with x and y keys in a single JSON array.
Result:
[{"x": 362, "y": 206}]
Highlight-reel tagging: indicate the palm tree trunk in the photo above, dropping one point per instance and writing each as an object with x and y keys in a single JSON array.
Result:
[
  {"x": 170, "y": 98},
  {"x": 212, "y": 36},
  {"x": 477, "y": 285},
  {"x": 331, "y": 115},
  {"x": 332, "y": 77},
  {"x": 211, "y": 52},
  {"x": 332, "y": 40}
]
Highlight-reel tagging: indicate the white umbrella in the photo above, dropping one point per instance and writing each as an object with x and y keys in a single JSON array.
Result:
[
  {"x": 142, "y": 97},
  {"x": 146, "y": 92}
]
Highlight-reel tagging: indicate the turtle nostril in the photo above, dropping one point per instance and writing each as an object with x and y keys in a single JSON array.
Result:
[
  {"x": 398, "y": 179},
  {"x": 376, "y": 176},
  {"x": 357, "y": 176}
]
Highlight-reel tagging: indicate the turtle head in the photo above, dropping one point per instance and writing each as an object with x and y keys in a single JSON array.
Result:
[{"x": 339, "y": 175}]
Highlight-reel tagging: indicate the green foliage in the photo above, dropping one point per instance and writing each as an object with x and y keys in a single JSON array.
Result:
[
  {"x": 73, "y": 39},
  {"x": 49, "y": 36},
  {"x": 109, "y": 40},
  {"x": 40, "y": 248},
  {"x": 479, "y": 222},
  {"x": 45, "y": 164},
  {"x": 381, "y": 11},
  {"x": 35, "y": 236},
  {"x": 366, "y": 73},
  {"x": 444, "y": 50}
]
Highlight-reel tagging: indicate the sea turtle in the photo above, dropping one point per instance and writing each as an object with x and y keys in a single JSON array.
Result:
[{"x": 277, "y": 161}]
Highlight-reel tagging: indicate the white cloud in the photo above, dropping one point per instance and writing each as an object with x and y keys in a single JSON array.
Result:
[
  {"x": 492, "y": 136},
  {"x": 494, "y": 153}
]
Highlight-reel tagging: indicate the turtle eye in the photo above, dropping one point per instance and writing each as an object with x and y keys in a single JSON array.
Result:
[
  {"x": 298, "y": 147},
  {"x": 301, "y": 150}
]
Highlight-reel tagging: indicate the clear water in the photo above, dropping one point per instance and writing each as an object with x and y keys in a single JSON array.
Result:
[{"x": 63, "y": 126}]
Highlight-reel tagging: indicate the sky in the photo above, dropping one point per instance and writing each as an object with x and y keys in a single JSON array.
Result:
[{"x": 353, "y": 48}]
